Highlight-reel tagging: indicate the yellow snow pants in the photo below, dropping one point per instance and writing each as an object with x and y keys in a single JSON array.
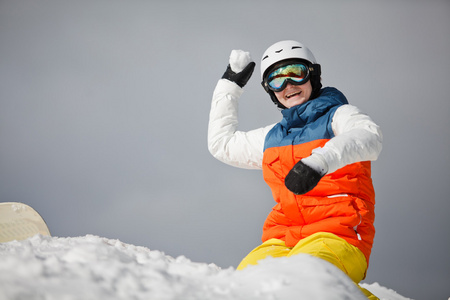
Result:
[{"x": 323, "y": 245}]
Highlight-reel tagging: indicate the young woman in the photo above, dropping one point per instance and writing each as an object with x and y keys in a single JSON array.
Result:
[{"x": 316, "y": 160}]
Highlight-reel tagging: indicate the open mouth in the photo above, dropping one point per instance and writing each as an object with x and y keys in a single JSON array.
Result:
[{"x": 288, "y": 96}]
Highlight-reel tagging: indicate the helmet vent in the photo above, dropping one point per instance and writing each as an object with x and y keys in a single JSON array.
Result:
[
  {"x": 265, "y": 57},
  {"x": 279, "y": 51},
  {"x": 296, "y": 47}
]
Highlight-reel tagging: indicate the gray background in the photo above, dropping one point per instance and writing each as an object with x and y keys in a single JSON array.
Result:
[{"x": 104, "y": 110}]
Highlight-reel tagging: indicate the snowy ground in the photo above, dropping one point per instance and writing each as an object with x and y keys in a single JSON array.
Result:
[{"x": 92, "y": 267}]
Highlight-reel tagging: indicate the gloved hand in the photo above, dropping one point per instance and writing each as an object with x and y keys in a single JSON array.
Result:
[
  {"x": 240, "y": 68},
  {"x": 306, "y": 174}
]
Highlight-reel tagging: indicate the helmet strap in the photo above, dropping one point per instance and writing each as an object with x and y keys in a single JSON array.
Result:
[
  {"x": 275, "y": 100},
  {"x": 315, "y": 80}
]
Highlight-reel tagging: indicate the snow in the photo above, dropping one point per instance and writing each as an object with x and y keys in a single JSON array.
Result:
[
  {"x": 92, "y": 267},
  {"x": 239, "y": 59}
]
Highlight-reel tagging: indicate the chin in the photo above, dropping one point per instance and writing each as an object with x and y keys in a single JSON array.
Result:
[{"x": 295, "y": 102}]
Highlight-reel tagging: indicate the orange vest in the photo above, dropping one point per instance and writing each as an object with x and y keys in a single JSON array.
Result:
[{"x": 342, "y": 203}]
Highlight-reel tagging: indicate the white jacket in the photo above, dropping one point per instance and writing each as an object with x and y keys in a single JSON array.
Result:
[{"x": 357, "y": 137}]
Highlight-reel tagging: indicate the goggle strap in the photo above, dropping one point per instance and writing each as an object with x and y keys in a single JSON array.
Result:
[
  {"x": 265, "y": 85},
  {"x": 315, "y": 69}
]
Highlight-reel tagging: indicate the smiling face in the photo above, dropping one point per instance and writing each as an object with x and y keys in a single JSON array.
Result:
[{"x": 294, "y": 95}]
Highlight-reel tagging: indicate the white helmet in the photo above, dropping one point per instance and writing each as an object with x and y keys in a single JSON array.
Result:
[{"x": 287, "y": 50}]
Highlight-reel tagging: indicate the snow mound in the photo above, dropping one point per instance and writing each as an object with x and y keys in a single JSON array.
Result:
[{"x": 92, "y": 267}]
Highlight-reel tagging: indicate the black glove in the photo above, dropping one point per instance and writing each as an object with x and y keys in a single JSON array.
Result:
[
  {"x": 302, "y": 178},
  {"x": 240, "y": 78}
]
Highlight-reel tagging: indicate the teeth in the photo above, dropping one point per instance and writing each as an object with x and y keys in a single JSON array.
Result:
[{"x": 293, "y": 94}]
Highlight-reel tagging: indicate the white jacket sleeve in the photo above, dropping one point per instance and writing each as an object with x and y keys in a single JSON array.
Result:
[
  {"x": 357, "y": 138},
  {"x": 225, "y": 142}
]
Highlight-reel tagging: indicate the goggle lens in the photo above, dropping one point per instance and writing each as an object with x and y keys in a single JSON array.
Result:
[{"x": 295, "y": 73}]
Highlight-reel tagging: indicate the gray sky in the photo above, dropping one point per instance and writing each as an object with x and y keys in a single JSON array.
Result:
[{"x": 104, "y": 110}]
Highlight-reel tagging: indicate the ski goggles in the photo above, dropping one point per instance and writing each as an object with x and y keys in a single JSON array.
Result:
[{"x": 297, "y": 74}]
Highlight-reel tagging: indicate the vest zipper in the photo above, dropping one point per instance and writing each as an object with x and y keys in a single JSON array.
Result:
[{"x": 355, "y": 228}]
